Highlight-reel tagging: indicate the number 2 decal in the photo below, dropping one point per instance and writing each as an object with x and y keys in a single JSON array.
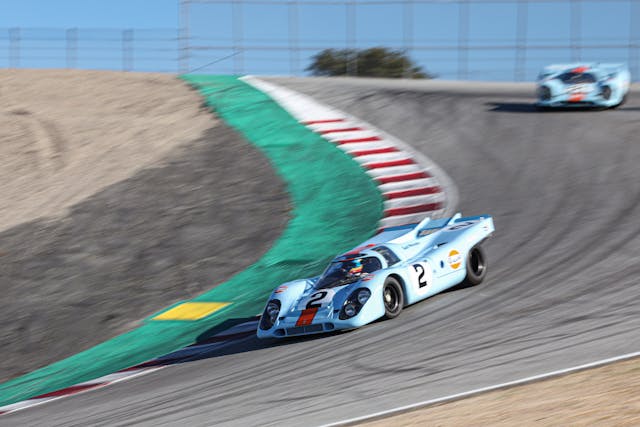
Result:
[
  {"x": 422, "y": 277},
  {"x": 317, "y": 300},
  {"x": 422, "y": 280},
  {"x": 318, "y": 296}
]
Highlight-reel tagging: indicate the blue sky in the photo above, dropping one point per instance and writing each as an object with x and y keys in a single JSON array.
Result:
[
  {"x": 89, "y": 13},
  {"x": 265, "y": 28}
]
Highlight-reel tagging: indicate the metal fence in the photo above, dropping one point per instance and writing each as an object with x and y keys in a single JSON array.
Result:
[
  {"x": 93, "y": 48},
  {"x": 458, "y": 39}
]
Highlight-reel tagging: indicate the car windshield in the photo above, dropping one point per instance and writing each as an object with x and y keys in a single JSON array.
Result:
[
  {"x": 347, "y": 271},
  {"x": 572, "y": 78}
]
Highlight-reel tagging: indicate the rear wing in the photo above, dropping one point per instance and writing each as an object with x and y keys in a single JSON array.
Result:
[
  {"x": 613, "y": 68},
  {"x": 553, "y": 69},
  {"x": 407, "y": 240},
  {"x": 406, "y": 233}
]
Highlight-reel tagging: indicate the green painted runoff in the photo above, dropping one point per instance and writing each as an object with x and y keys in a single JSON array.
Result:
[{"x": 336, "y": 206}]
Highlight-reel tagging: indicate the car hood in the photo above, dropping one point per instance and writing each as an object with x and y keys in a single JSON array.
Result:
[
  {"x": 581, "y": 88},
  {"x": 325, "y": 302}
]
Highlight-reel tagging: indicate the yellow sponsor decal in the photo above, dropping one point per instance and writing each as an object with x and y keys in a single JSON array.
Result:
[
  {"x": 454, "y": 259},
  {"x": 191, "y": 311}
]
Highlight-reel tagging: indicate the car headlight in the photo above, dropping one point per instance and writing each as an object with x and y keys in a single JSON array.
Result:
[
  {"x": 544, "y": 93},
  {"x": 363, "y": 295},
  {"x": 350, "y": 310},
  {"x": 354, "y": 303},
  {"x": 270, "y": 314}
]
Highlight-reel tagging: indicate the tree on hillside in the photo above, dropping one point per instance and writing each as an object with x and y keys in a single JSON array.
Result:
[{"x": 372, "y": 62}]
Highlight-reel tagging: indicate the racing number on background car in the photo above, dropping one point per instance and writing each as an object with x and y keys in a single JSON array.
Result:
[
  {"x": 422, "y": 280},
  {"x": 315, "y": 298}
]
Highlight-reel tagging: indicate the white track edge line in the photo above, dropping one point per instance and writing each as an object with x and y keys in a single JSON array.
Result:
[
  {"x": 99, "y": 385},
  {"x": 103, "y": 382},
  {"x": 470, "y": 393}
]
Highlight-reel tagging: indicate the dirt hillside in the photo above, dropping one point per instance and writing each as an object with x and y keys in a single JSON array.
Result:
[
  {"x": 605, "y": 396},
  {"x": 121, "y": 195}
]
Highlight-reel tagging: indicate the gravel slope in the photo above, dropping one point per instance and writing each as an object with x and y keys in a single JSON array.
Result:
[{"x": 122, "y": 195}]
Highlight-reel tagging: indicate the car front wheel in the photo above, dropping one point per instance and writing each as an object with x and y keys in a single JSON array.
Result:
[{"x": 393, "y": 298}]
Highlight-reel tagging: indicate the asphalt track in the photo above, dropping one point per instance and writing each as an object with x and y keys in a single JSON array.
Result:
[{"x": 563, "y": 286}]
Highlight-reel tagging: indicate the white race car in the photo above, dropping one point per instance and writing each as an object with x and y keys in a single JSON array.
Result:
[
  {"x": 400, "y": 266},
  {"x": 583, "y": 85}
]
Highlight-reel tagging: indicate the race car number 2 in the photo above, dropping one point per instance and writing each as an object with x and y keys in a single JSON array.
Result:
[
  {"x": 421, "y": 275},
  {"x": 317, "y": 299}
]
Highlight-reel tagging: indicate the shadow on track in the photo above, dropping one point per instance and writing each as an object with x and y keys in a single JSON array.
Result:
[
  {"x": 512, "y": 107},
  {"x": 521, "y": 107},
  {"x": 212, "y": 343}
]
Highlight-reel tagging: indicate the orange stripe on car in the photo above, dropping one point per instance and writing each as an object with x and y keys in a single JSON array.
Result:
[
  {"x": 306, "y": 317},
  {"x": 576, "y": 98}
]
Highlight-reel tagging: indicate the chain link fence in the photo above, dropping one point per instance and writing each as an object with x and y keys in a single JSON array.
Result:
[
  {"x": 90, "y": 48},
  {"x": 453, "y": 39}
]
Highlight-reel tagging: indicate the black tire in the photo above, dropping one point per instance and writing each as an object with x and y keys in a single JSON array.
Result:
[
  {"x": 476, "y": 266},
  {"x": 542, "y": 108},
  {"x": 622, "y": 101},
  {"x": 392, "y": 297}
]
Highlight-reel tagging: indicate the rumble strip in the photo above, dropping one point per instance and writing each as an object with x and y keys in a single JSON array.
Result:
[{"x": 412, "y": 185}]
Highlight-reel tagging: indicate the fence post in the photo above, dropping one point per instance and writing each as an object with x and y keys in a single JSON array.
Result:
[
  {"x": 14, "y": 47},
  {"x": 238, "y": 60},
  {"x": 634, "y": 40},
  {"x": 463, "y": 39},
  {"x": 183, "y": 37},
  {"x": 350, "y": 32},
  {"x": 294, "y": 52},
  {"x": 521, "y": 39},
  {"x": 127, "y": 50},
  {"x": 72, "y": 47},
  {"x": 407, "y": 34},
  {"x": 575, "y": 29}
]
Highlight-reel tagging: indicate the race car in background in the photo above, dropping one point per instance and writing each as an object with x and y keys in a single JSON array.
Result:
[
  {"x": 397, "y": 267},
  {"x": 583, "y": 85}
]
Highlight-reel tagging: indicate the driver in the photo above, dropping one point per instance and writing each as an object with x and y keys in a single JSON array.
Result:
[{"x": 356, "y": 269}]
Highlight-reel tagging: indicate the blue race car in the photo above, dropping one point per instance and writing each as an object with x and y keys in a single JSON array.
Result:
[
  {"x": 583, "y": 85},
  {"x": 399, "y": 266}
]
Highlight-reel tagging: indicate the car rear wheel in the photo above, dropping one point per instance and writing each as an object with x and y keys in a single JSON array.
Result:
[
  {"x": 476, "y": 266},
  {"x": 622, "y": 101},
  {"x": 392, "y": 297}
]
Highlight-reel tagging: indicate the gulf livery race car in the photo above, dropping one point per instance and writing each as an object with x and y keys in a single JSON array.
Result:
[
  {"x": 399, "y": 266},
  {"x": 583, "y": 85}
]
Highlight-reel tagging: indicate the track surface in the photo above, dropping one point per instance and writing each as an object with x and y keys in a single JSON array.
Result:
[{"x": 563, "y": 287}]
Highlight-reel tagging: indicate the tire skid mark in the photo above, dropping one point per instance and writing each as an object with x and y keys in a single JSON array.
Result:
[{"x": 45, "y": 139}]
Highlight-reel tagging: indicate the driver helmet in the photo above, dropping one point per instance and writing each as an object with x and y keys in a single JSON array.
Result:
[{"x": 356, "y": 268}]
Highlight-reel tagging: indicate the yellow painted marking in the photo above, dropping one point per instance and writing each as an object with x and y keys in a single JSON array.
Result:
[{"x": 191, "y": 311}]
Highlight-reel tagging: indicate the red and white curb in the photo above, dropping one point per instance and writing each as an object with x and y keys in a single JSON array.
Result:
[
  {"x": 413, "y": 186},
  {"x": 186, "y": 354}
]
